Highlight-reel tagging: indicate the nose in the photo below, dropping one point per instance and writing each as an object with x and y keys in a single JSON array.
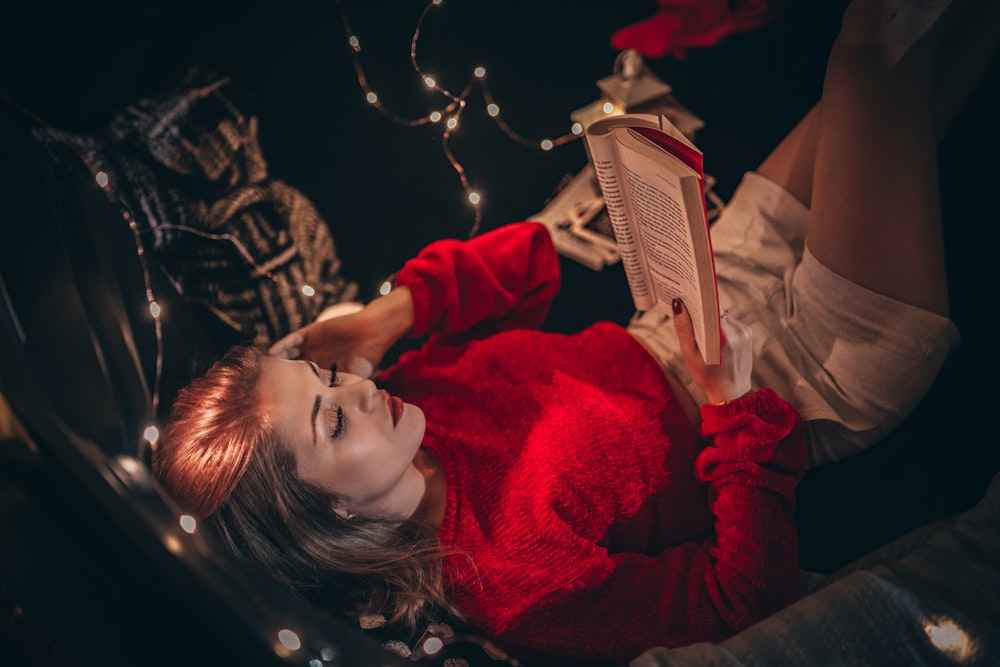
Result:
[{"x": 356, "y": 390}]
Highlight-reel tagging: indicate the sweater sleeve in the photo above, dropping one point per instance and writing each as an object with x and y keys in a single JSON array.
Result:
[
  {"x": 505, "y": 279},
  {"x": 625, "y": 603}
]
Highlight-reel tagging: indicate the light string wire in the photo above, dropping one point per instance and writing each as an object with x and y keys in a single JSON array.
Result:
[
  {"x": 151, "y": 432},
  {"x": 154, "y": 310},
  {"x": 452, "y": 110}
]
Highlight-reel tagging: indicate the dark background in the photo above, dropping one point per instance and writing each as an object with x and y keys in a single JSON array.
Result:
[{"x": 386, "y": 190}]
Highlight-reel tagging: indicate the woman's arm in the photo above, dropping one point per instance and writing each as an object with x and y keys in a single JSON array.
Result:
[
  {"x": 503, "y": 279},
  {"x": 702, "y": 590},
  {"x": 357, "y": 341},
  {"x": 706, "y": 589}
]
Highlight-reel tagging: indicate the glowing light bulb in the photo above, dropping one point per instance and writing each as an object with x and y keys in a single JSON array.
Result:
[
  {"x": 371, "y": 97},
  {"x": 474, "y": 197},
  {"x": 154, "y": 309},
  {"x": 355, "y": 43},
  {"x": 151, "y": 434},
  {"x": 493, "y": 110},
  {"x": 188, "y": 524},
  {"x": 130, "y": 465},
  {"x": 608, "y": 107},
  {"x": 429, "y": 81},
  {"x": 435, "y": 116},
  {"x": 385, "y": 288},
  {"x": 452, "y": 123},
  {"x": 546, "y": 144},
  {"x": 950, "y": 639},
  {"x": 479, "y": 72},
  {"x": 101, "y": 178},
  {"x": 577, "y": 128},
  {"x": 436, "y": 2},
  {"x": 433, "y": 645},
  {"x": 173, "y": 544},
  {"x": 308, "y": 290},
  {"x": 289, "y": 639}
]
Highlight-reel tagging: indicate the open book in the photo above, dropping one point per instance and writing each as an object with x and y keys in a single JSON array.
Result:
[{"x": 652, "y": 179}]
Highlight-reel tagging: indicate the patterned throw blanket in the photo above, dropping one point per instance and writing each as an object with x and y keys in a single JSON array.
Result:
[{"x": 187, "y": 166}]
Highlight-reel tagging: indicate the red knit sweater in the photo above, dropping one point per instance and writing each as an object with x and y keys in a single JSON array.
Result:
[{"x": 596, "y": 524}]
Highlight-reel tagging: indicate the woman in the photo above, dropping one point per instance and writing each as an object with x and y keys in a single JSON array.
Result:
[
  {"x": 559, "y": 473},
  {"x": 553, "y": 489}
]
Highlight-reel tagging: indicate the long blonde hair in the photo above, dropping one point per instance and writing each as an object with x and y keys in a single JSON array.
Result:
[{"x": 221, "y": 461}]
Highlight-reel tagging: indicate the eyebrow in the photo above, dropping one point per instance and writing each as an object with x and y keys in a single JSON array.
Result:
[{"x": 315, "y": 410}]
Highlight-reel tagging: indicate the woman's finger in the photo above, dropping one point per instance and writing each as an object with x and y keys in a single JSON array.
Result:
[
  {"x": 287, "y": 347},
  {"x": 360, "y": 366},
  {"x": 685, "y": 333}
]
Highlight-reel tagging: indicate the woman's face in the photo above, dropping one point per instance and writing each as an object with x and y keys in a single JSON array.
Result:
[{"x": 348, "y": 437}]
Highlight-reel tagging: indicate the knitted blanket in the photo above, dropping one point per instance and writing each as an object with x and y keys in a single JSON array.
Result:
[{"x": 187, "y": 166}]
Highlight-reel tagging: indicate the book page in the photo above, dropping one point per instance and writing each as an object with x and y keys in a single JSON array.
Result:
[
  {"x": 603, "y": 153},
  {"x": 655, "y": 178},
  {"x": 662, "y": 217}
]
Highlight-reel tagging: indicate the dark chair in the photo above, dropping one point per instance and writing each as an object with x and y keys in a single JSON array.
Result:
[{"x": 97, "y": 567}]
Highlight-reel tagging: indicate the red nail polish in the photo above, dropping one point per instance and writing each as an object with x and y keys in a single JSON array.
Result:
[{"x": 676, "y": 305}]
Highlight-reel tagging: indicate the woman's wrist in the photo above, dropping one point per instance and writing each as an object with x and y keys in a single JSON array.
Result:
[
  {"x": 726, "y": 401},
  {"x": 391, "y": 315}
]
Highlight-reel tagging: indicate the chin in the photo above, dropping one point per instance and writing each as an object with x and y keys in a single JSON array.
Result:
[{"x": 414, "y": 421}]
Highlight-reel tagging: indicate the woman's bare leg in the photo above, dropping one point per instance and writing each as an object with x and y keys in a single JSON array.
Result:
[
  {"x": 962, "y": 60},
  {"x": 790, "y": 164}
]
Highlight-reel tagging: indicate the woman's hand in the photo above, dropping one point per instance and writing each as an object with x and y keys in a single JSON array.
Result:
[
  {"x": 720, "y": 382},
  {"x": 356, "y": 342}
]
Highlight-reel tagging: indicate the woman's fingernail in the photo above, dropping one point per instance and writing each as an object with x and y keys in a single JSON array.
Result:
[{"x": 676, "y": 305}]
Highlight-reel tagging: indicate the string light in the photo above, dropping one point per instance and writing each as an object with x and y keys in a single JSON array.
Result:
[
  {"x": 151, "y": 433},
  {"x": 433, "y": 645},
  {"x": 288, "y": 642},
  {"x": 154, "y": 311},
  {"x": 188, "y": 524},
  {"x": 453, "y": 108}
]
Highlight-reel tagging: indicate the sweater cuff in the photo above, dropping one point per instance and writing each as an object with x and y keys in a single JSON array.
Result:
[{"x": 421, "y": 300}]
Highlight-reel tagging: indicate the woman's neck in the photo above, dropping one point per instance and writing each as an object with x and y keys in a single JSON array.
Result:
[{"x": 431, "y": 509}]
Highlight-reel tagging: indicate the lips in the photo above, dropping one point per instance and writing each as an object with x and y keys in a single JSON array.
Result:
[{"x": 396, "y": 409}]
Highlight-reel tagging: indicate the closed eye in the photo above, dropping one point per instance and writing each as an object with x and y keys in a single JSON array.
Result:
[
  {"x": 336, "y": 424},
  {"x": 334, "y": 380}
]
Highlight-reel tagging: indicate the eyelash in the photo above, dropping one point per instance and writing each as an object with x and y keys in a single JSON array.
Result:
[{"x": 336, "y": 429}]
